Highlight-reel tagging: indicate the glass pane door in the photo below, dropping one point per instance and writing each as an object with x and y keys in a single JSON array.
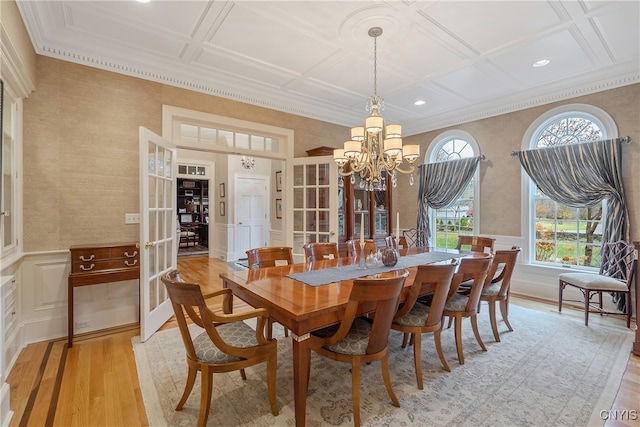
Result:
[{"x": 315, "y": 218}]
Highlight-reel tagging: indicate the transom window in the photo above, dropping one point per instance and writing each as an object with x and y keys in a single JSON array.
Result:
[
  {"x": 458, "y": 218},
  {"x": 226, "y": 138},
  {"x": 563, "y": 235}
]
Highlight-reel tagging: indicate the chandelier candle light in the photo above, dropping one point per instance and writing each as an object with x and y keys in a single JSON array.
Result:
[{"x": 374, "y": 148}]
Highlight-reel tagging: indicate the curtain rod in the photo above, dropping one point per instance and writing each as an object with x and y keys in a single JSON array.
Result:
[{"x": 623, "y": 139}]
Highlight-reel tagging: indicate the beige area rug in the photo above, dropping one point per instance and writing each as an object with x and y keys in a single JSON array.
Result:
[{"x": 551, "y": 371}]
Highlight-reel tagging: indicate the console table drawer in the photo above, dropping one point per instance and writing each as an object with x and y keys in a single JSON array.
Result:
[
  {"x": 96, "y": 258},
  {"x": 89, "y": 254},
  {"x": 104, "y": 264}
]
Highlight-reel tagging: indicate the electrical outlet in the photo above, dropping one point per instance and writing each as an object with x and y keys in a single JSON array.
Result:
[
  {"x": 82, "y": 324},
  {"x": 132, "y": 218}
]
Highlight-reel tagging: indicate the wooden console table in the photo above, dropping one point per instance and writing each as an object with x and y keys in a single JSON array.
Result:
[{"x": 101, "y": 263}]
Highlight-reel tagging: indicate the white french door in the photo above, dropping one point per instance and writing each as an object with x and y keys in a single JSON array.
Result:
[
  {"x": 157, "y": 228},
  {"x": 312, "y": 202}
]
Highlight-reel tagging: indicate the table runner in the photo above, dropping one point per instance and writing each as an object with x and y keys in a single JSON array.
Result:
[{"x": 336, "y": 274}]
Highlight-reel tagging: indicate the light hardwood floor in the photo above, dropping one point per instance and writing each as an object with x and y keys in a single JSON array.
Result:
[{"x": 95, "y": 383}]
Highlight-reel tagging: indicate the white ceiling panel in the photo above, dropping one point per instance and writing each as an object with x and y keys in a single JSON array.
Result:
[
  {"x": 621, "y": 30},
  {"x": 566, "y": 56},
  {"x": 467, "y": 59},
  {"x": 490, "y": 25},
  {"x": 109, "y": 30},
  {"x": 437, "y": 101},
  {"x": 177, "y": 17},
  {"x": 269, "y": 42},
  {"x": 473, "y": 84},
  {"x": 234, "y": 65}
]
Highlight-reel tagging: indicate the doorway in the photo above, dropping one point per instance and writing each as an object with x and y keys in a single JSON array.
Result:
[{"x": 193, "y": 216}]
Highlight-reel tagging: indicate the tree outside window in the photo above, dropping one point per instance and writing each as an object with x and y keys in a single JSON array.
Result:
[{"x": 566, "y": 235}]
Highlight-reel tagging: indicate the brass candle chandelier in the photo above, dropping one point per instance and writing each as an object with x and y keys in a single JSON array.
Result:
[{"x": 374, "y": 147}]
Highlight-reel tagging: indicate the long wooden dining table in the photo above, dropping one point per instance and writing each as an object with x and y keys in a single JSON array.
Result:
[{"x": 303, "y": 308}]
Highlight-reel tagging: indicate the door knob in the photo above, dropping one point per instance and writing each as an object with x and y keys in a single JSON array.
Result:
[
  {"x": 148, "y": 245},
  {"x": 240, "y": 223}
]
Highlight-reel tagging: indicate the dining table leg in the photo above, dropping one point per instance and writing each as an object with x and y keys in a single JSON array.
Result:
[{"x": 301, "y": 362}]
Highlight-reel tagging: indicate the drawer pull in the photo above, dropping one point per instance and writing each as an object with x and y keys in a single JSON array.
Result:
[
  {"x": 82, "y": 258},
  {"x": 130, "y": 256},
  {"x": 135, "y": 261},
  {"x": 83, "y": 268}
]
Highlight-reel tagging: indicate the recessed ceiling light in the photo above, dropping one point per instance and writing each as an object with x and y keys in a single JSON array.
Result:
[
  {"x": 143, "y": 1},
  {"x": 419, "y": 102},
  {"x": 541, "y": 63}
]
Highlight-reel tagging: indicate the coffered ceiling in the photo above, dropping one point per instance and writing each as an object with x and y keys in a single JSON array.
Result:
[{"x": 466, "y": 59}]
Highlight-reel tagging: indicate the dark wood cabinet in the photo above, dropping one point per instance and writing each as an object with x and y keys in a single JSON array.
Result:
[{"x": 355, "y": 204}]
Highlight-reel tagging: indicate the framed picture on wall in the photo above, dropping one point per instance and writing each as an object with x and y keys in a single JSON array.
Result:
[
  {"x": 279, "y": 181},
  {"x": 278, "y": 208}
]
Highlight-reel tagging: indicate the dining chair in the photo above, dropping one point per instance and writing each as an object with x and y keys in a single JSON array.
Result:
[
  {"x": 320, "y": 250},
  {"x": 475, "y": 243},
  {"x": 227, "y": 343},
  {"x": 269, "y": 256},
  {"x": 358, "y": 340},
  {"x": 414, "y": 318},
  {"x": 617, "y": 269},
  {"x": 391, "y": 242},
  {"x": 459, "y": 306},
  {"x": 414, "y": 238},
  {"x": 189, "y": 235},
  {"x": 497, "y": 285}
]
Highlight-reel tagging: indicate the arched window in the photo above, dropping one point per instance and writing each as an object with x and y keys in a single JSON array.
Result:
[
  {"x": 558, "y": 234},
  {"x": 461, "y": 217}
]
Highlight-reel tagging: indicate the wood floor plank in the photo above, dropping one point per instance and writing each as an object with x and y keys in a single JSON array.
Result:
[{"x": 100, "y": 382}]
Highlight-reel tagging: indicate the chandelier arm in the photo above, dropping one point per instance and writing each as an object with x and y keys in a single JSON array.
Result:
[
  {"x": 388, "y": 166},
  {"x": 411, "y": 169},
  {"x": 343, "y": 173},
  {"x": 358, "y": 166}
]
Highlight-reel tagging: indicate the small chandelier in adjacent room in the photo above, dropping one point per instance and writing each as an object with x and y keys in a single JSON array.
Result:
[
  {"x": 374, "y": 147},
  {"x": 248, "y": 162}
]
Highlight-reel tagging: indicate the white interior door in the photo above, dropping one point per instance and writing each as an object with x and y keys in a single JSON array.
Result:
[
  {"x": 157, "y": 228},
  {"x": 251, "y": 210}
]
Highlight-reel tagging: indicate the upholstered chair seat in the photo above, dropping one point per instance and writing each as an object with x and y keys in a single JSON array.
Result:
[
  {"x": 458, "y": 302},
  {"x": 417, "y": 316},
  {"x": 237, "y": 334},
  {"x": 594, "y": 281},
  {"x": 356, "y": 340}
]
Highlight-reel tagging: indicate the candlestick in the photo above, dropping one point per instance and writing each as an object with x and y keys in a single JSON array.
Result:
[{"x": 362, "y": 228}]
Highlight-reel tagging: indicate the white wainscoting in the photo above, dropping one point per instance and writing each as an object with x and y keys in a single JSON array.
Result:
[
  {"x": 6, "y": 414},
  {"x": 44, "y": 300},
  {"x": 276, "y": 237},
  {"x": 223, "y": 244}
]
